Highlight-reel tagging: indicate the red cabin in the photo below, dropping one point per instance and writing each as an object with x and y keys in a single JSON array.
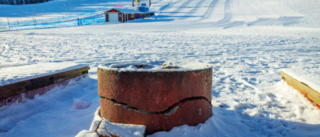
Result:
[
  {"x": 114, "y": 15},
  {"x": 121, "y": 15}
]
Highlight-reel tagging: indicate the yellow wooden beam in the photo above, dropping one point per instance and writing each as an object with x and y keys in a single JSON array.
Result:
[{"x": 303, "y": 88}]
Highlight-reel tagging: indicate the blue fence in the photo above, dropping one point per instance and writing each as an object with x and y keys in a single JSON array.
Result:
[{"x": 86, "y": 18}]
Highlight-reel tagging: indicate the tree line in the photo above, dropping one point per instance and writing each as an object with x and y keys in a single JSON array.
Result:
[{"x": 21, "y": 2}]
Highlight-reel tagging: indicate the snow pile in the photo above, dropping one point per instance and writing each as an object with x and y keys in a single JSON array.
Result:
[
  {"x": 103, "y": 127},
  {"x": 222, "y": 123}
]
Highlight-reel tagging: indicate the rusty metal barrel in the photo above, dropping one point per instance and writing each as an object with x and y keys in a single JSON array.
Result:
[{"x": 158, "y": 97}]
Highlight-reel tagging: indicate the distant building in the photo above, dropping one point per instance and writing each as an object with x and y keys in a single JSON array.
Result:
[{"x": 125, "y": 14}]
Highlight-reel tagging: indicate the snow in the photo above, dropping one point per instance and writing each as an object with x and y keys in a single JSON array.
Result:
[
  {"x": 103, "y": 127},
  {"x": 154, "y": 66},
  {"x": 245, "y": 42},
  {"x": 128, "y": 10},
  {"x": 13, "y": 74},
  {"x": 222, "y": 124}
]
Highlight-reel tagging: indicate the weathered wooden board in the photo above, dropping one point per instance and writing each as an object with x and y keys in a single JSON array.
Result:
[
  {"x": 11, "y": 92},
  {"x": 303, "y": 88}
]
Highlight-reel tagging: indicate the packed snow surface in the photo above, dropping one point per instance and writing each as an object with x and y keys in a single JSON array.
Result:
[{"x": 246, "y": 42}]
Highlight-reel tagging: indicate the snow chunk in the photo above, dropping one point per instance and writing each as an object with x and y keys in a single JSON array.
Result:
[
  {"x": 85, "y": 133},
  {"x": 154, "y": 66},
  {"x": 79, "y": 104},
  {"x": 103, "y": 127},
  {"x": 107, "y": 128}
]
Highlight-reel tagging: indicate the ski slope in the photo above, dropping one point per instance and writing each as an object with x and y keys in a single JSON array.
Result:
[
  {"x": 247, "y": 42},
  {"x": 213, "y": 13}
]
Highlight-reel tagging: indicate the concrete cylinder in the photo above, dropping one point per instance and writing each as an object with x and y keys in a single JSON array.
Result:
[{"x": 160, "y": 98}]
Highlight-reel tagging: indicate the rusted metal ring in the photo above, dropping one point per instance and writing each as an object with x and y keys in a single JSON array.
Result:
[{"x": 160, "y": 98}]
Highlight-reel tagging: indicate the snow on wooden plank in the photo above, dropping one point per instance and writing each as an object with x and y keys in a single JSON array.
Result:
[
  {"x": 308, "y": 87},
  {"x": 29, "y": 86},
  {"x": 16, "y": 74}
]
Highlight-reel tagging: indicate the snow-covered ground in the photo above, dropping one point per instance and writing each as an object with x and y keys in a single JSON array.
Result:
[{"x": 247, "y": 42}]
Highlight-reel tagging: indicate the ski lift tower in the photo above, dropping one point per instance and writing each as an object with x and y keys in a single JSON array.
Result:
[
  {"x": 138, "y": 2},
  {"x": 142, "y": 6}
]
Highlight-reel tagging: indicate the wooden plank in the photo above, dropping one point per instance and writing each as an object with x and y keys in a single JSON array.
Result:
[
  {"x": 303, "y": 88},
  {"x": 37, "y": 85}
]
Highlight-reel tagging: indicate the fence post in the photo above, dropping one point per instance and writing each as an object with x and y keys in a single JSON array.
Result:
[
  {"x": 8, "y": 23},
  {"x": 34, "y": 23}
]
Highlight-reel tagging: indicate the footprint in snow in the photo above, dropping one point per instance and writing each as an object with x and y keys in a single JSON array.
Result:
[{"x": 79, "y": 104}]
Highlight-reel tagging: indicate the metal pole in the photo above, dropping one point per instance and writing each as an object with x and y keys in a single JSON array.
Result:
[
  {"x": 34, "y": 23},
  {"x": 8, "y": 23}
]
